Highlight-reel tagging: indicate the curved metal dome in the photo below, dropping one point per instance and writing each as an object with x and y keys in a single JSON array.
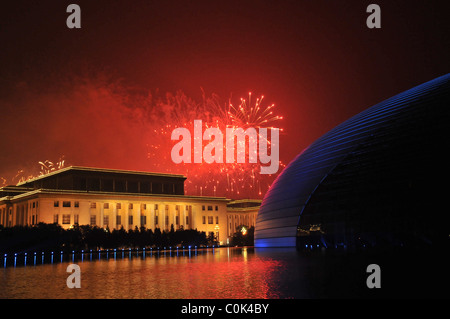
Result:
[{"x": 372, "y": 179}]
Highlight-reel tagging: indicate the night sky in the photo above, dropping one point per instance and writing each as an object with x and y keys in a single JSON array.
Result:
[{"x": 82, "y": 93}]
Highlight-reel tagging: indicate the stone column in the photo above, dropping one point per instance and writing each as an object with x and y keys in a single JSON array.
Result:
[{"x": 102, "y": 208}]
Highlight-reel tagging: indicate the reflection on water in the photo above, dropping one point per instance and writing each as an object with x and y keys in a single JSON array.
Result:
[
  {"x": 218, "y": 273},
  {"x": 224, "y": 273}
]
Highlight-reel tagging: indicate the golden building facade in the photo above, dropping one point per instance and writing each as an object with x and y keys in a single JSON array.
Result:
[
  {"x": 112, "y": 199},
  {"x": 242, "y": 212}
]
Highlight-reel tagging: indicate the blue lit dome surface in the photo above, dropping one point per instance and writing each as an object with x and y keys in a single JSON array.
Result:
[{"x": 374, "y": 180}]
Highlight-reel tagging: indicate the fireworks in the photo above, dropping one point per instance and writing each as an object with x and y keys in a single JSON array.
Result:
[
  {"x": 48, "y": 166},
  {"x": 2, "y": 181},
  {"x": 45, "y": 167},
  {"x": 157, "y": 117},
  {"x": 21, "y": 176},
  {"x": 214, "y": 179},
  {"x": 248, "y": 115}
]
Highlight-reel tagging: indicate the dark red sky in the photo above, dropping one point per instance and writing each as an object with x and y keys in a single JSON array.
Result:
[{"x": 316, "y": 60}]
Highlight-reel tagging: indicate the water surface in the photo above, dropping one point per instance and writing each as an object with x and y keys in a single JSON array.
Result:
[
  {"x": 223, "y": 273},
  {"x": 218, "y": 273}
]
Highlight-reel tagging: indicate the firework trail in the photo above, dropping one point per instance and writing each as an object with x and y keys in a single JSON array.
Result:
[
  {"x": 45, "y": 167},
  {"x": 48, "y": 166},
  {"x": 233, "y": 180},
  {"x": 248, "y": 115}
]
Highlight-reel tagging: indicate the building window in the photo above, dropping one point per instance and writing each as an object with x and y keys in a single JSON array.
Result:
[
  {"x": 203, "y": 207},
  {"x": 204, "y": 220},
  {"x": 130, "y": 205},
  {"x": 106, "y": 220},
  {"x": 56, "y": 203},
  {"x": 130, "y": 220},
  {"x": 66, "y": 203},
  {"x": 75, "y": 218},
  {"x": 119, "y": 220},
  {"x": 156, "y": 220},
  {"x": 210, "y": 219},
  {"x": 217, "y": 219},
  {"x": 119, "y": 206},
  {"x": 177, "y": 220},
  {"x": 217, "y": 207},
  {"x": 34, "y": 204},
  {"x": 76, "y": 204},
  {"x": 187, "y": 220},
  {"x": 93, "y": 205},
  {"x": 144, "y": 206},
  {"x": 209, "y": 207},
  {"x": 143, "y": 220},
  {"x": 156, "y": 206},
  {"x": 106, "y": 205},
  {"x": 93, "y": 220},
  {"x": 167, "y": 220},
  {"x": 66, "y": 219},
  {"x": 55, "y": 218}
]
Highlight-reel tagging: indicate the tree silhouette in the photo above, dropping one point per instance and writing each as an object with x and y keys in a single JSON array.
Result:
[{"x": 85, "y": 237}]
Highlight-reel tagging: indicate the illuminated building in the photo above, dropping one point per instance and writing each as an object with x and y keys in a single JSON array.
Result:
[
  {"x": 113, "y": 199},
  {"x": 374, "y": 180},
  {"x": 242, "y": 212}
]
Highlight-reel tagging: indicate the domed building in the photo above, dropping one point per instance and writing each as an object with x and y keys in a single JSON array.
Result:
[{"x": 376, "y": 180}]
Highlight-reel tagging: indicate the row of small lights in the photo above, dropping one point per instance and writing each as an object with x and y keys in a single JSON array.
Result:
[
  {"x": 335, "y": 246},
  {"x": 107, "y": 250}
]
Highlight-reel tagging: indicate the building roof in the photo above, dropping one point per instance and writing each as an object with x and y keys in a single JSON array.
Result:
[
  {"x": 20, "y": 191},
  {"x": 244, "y": 205},
  {"x": 60, "y": 192},
  {"x": 99, "y": 170}
]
